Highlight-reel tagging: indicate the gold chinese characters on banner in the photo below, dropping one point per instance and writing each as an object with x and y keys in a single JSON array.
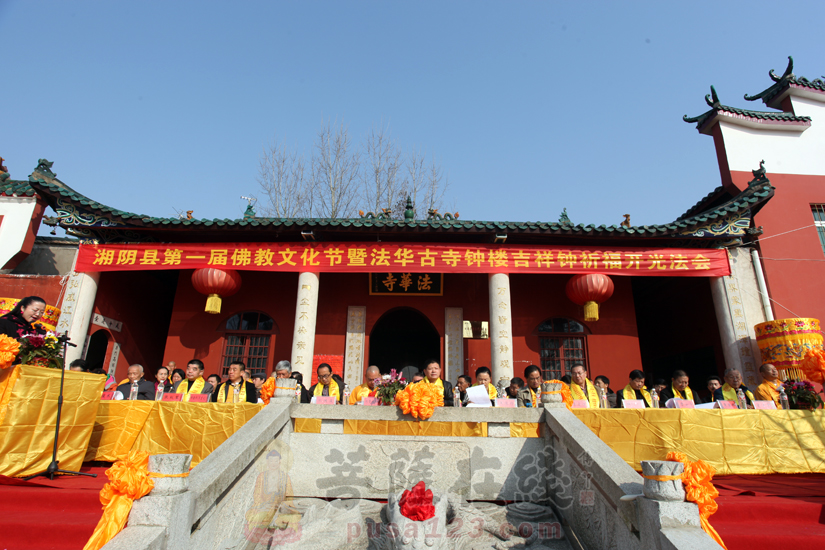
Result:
[{"x": 405, "y": 258}]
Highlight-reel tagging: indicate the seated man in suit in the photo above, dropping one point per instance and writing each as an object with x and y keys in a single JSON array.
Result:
[
  {"x": 236, "y": 389},
  {"x": 462, "y": 384},
  {"x": 194, "y": 382},
  {"x": 679, "y": 389},
  {"x": 144, "y": 390},
  {"x": 326, "y": 385},
  {"x": 528, "y": 396},
  {"x": 635, "y": 389},
  {"x": 729, "y": 390}
]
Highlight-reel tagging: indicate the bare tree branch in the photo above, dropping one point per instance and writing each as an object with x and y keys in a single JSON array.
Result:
[{"x": 335, "y": 169}]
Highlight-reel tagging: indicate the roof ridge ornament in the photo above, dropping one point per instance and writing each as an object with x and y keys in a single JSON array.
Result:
[
  {"x": 409, "y": 213},
  {"x": 780, "y": 81},
  {"x": 432, "y": 214},
  {"x": 712, "y": 99},
  {"x": 787, "y": 75},
  {"x": 563, "y": 218},
  {"x": 385, "y": 214},
  {"x": 759, "y": 175},
  {"x": 44, "y": 166}
]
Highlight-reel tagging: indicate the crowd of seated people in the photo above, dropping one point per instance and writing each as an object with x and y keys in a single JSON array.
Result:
[{"x": 526, "y": 391}]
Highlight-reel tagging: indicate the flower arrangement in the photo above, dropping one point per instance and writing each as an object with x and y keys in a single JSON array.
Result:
[
  {"x": 420, "y": 399},
  {"x": 9, "y": 349},
  {"x": 802, "y": 395},
  {"x": 388, "y": 386},
  {"x": 42, "y": 350}
]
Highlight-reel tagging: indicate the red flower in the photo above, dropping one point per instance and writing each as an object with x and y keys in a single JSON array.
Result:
[{"x": 417, "y": 504}]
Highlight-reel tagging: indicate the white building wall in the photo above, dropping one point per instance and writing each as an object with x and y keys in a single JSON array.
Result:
[
  {"x": 17, "y": 214},
  {"x": 784, "y": 151}
]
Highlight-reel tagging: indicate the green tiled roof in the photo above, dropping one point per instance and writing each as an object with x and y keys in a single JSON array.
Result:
[
  {"x": 11, "y": 188},
  {"x": 716, "y": 106},
  {"x": 782, "y": 82},
  {"x": 76, "y": 211}
]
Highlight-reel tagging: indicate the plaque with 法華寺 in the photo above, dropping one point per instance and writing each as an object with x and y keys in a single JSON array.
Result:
[{"x": 407, "y": 284}]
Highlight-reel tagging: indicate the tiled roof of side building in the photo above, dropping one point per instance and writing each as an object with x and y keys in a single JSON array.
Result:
[
  {"x": 64, "y": 199},
  {"x": 782, "y": 82},
  {"x": 712, "y": 99}
]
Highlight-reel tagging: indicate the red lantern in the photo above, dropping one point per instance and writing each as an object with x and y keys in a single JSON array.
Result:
[
  {"x": 215, "y": 283},
  {"x": 589, "y": 291}
]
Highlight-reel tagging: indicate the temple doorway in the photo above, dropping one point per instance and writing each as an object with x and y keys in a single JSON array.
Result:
[
  {"x": 402, "y": 338},
  {"x": 96, "y": 352}
]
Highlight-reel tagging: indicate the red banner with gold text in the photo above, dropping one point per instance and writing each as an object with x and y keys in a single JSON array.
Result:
[{"x": 406, "y": 257}]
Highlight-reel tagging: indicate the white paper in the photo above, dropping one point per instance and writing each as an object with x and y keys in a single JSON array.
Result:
[
  {"x": 705, "y": 405},
  {"x": 670, "y": 403},
  {"x": 312, "y": 401},
  {"x": 478, "y": 396}
]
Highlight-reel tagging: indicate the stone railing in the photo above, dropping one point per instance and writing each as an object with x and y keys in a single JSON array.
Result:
[{"x": 596, "y": 495}]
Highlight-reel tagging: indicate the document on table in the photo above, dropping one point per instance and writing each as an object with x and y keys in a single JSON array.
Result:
[{"x": 478, "y": 396}]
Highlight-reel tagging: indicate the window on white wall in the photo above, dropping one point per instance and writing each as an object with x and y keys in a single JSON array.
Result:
[{"x": 819, "y": 220}]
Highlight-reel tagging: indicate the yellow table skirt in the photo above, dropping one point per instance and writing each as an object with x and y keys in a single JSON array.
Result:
[
  {"x": 732, "y": 441},
  {"x": 165, "y": 427},
  {"x": 401, "y": 427},
  {"x": 28, "y": 411},
  {"x": 525, "y": 429}
]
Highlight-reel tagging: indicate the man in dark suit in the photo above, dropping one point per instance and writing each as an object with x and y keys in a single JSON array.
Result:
[
  {"x": 236, "y": 389},
  {"x": 528, "y": 396},
  {"x": 145, "y": 390}
]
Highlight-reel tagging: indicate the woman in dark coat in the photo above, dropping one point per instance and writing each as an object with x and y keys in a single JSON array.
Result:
[{"x": 21, "y": 320}]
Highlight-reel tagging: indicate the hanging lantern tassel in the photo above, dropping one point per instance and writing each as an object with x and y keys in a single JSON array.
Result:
[
  {"x": 591, "y": 311},
  {"x": 589, "y": 291},
  {"x": 213, "y": 304},
  {"x": 216, "y": 283}
]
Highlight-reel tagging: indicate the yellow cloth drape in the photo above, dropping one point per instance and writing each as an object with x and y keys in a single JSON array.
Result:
[
  {"x": 197, "y": 387},
  {"x": 697, "y": 479},
  {"x": 768, "y": 391},
  {"x": 128, "y": 481},
  {"x": 525, "y": 429},
  {"x": 592, "y": 396},
  {"x": 732, "y": 441},
  {"x": 30, "y": 415},
  {"x": 630, "y": 393},
  {"x": 333, "y": 390},
  {"x": 359, "y": 393},
  {"x": 307, "y": 425},
  {"x": 165, "y": 427},
  {"x": 400, "y": 427}
]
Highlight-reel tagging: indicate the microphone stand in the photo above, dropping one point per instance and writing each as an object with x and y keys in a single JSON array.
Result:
[{"x": 53, "y": 468}]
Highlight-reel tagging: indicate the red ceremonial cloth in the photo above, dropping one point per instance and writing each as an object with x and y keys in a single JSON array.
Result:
[
  {"x": 44, "y": 514},
  {"x": 417, "y": 504},
  {"x": 793, "y": 505}
]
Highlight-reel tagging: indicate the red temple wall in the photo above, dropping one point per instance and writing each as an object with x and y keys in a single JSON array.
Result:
[
  {"x": 794, "y": 284},
  {"x": 613, "y": 347},
  {"x": 20, "y": 286}
]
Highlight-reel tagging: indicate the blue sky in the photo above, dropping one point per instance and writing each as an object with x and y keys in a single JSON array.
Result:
[{"x": 529, "y": 107}]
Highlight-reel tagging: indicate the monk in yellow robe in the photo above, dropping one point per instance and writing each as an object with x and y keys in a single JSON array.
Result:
[
  {"x": 582, "y": 388},
  {"x": 372, "y": 376},
  {"x": 768, "y": 390},
  {"x": 729, "y": 390}
]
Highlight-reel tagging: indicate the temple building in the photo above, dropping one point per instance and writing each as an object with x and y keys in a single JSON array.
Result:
[
  {"x": 790, "y": 141},
  {"x": 396, "y": 292}
]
